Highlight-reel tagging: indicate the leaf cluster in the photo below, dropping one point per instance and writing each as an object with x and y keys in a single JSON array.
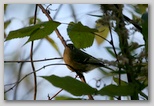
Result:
[{"x": 134, "y": 66}]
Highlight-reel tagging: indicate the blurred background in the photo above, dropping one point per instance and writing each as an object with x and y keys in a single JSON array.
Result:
[{"x": 19, "y": 15}]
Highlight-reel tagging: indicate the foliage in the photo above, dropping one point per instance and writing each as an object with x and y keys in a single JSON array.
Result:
[
  {"x": 71, "y": 85},
  {"x": 34, "y": 32},
  {"x": 79, "y": 88},
  {"x": 79, "y": 34},
  {"x": 127, "y": 61}
]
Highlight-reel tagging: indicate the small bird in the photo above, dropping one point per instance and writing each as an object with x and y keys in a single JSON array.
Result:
[{"x": 77, "y": 60}]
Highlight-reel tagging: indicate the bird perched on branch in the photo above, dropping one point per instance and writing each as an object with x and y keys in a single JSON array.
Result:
[{"x": 77, "y": 60}]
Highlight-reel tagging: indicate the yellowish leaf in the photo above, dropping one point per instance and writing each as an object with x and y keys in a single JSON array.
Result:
[{"x": 103, "y": 31}]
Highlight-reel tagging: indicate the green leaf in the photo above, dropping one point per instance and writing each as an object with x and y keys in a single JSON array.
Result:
[
  {"x": 145, "y": 25},
  {"x": 113, "y": 90},
  {"x": 6, "y": 23},
  {"x": 81, "y": 36},
  {"x": 141, "y": 8},
  {"x": 5, "y": 6},
  {"x": 31, "y": 20},
  {"x": 35, "y": 32},
  {"x": 71, "y": 85},
  {"x": 117, "y": 81},
  {"x": 66, "y": 98},
  {"x": 145, "y": 29},
  {"x": 111, "y": 52},
  {"x": 106, "y": 72}
]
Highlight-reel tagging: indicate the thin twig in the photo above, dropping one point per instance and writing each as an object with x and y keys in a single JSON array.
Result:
[
  {"x": 81, "y": 76},
  {"x": 101, "y": 37},
  {"x": 21, "y": 66},
  {"x": 63, "y": 42},
  {"x": 84, "y": 81},
  {"x": 18, "y": 78},
  {"x": 56, "y": 30},
  {"x": 73, "y": 12},
  {"x": 31, "y": 58},
  {"x": 111, "y": 42},
  {"x": 56, "y": 94},
  {"x": 54, "y": 17},
  {"x": 15, "y": 83},
  {"x": 33, "y": 67},
  {"x": 24, "y": 61}
]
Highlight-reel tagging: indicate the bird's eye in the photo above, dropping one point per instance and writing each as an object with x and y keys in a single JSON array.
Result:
[{"x": 71, "y": 46}]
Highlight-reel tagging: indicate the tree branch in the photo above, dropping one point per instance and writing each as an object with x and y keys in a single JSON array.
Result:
[
  {"x": 16, "y": 83},
  {"x": 31, "y": 58},
  {"x": 23, "y": 61},
  {"x": 56, "y": 30}
]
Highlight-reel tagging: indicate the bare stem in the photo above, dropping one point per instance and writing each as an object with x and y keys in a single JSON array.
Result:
[
  {"x": 31, "y": 58},
  {"x": 23, "y": 61},
  {"x": 16, "y": 83},
  {"x": 111, "y": 42},
  {"x": 63, "y": 42},
  {"x": 83, "y": 80}
]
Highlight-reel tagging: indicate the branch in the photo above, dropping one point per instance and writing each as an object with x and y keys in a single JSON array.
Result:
[
  {"x": 50, "y": 98},
  {"x": 119, "y": 81},
  {"x": 23, "y": 61},
  {"x": 63, "y": 42},
  {"x": 16, "y": 83},
  {"x": 102, "y": 37},
  {"x": 82, "y": 79},
  {"x": 31, "y": 58},
  {"x": 21, "y": 66},
  {"x": 56, "y": 30}
]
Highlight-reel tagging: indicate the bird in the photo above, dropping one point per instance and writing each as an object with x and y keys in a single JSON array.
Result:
[{"x": 77, "y": 60}]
